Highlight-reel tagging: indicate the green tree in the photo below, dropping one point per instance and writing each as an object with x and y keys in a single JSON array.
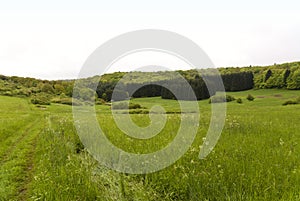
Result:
[
  {"x": 294, "y": 81},
  {"x": 47, "y": 88},
  {"x": 58, "y": 88}
]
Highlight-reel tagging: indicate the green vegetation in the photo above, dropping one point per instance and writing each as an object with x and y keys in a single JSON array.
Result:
[
  {"x": 125, "y": 105},
  {"x": 221, "y": 99},
  {"x": 256, "y": 158},
  {"x": 239, "y": 100},
  {"x": 282, "y": 76},
  {"x": 250, "y": 97},
  {"x": 292, "y": 102},
  {"x": 41, "y": 99}
]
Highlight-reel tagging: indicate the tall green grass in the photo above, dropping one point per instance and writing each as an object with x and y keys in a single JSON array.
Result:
[{"x": 256, "y": 158}]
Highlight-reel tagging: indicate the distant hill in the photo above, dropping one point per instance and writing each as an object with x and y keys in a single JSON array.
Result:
[{"x": 283, "y": 76}]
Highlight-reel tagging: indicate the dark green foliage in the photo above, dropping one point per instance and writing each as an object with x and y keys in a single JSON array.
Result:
[
  {"x": 3, "y": 77},
  {"x": 268, "y": 75},
  {"x": 239, "y": 100},
  {"x": 167, "y": 88},
  {"x": 238, "y": 81},
  {"x": 250, "y": 97},
  {"x": 79, "y": 147},
  {"x": 105, "y": 89},
  {"x": 180, "y": 90},
  {"x": 149, "y": 90},
  {"x": 286, "y": 74},
  {"x": 134, "y": 106},
  {"x": 138, "y": 112},
  {"x": 199, "y": 88}
]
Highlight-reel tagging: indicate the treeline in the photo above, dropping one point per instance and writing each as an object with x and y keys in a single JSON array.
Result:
[
  {"x": 167, "y": 84},
  {"x": 188, "y": 87},
  {"x": 20, "y": 86},
  {"x": 284, "y": 76}
]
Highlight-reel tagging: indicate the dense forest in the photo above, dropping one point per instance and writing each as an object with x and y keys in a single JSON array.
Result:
[{"x": 150, "y": 84}]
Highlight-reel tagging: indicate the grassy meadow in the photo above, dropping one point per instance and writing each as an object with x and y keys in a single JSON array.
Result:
[{"x": 256, "y": 158}]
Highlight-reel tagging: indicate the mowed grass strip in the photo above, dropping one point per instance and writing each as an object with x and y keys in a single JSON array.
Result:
[
  {"x": 14, "y": 167},
  {"x": 18, "y": 132}
]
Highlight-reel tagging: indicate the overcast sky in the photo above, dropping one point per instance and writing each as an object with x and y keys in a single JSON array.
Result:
[{"x": 52, "y": 39}]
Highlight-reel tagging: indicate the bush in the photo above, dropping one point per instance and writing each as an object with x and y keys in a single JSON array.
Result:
[
  {"x": 41, "y": 99},
  {"x": 124, "y": 106},
  {"x": 292, "y": 102},
  {"x": 134, "y": 106},
  {"x": 47, "y": 88},
  {"x": 239, "y": 100},
  {"x": 7, "y": 93},
  {"x": 22, "y": 92},
  {"x": 139, "y": 112},
  {"x": 79, "y": 147},
  {"x": 221, "y": 99},
  {"x": 250, "y": 97}
]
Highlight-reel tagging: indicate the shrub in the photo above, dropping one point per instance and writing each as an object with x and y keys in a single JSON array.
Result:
[
  {"x": 79, "y": 147},
  {"x": 47, "y": 88},
  {"x": 221, "y": 99},
  {"x": 41, "y": 99},
  {"x": 125, "y": 105},
  {"x": 250, "y": 97},
  {"x": 134, "y": 106},
  {"x": 7, "y": 93},
  {"x": 239, "y": 100},
  {"x": 292, "y": 102},
  {"x": 21, "y": 92},
  {"x": 139, "y": 112}
]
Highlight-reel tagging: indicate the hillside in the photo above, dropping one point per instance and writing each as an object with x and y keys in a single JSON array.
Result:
[{"x": 281, "y": 76}]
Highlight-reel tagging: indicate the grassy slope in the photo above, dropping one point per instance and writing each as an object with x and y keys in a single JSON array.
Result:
[{"x": 256, "y": 158}]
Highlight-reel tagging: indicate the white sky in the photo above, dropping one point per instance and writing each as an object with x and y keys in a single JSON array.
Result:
[{"x": 52, "y": 39}]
